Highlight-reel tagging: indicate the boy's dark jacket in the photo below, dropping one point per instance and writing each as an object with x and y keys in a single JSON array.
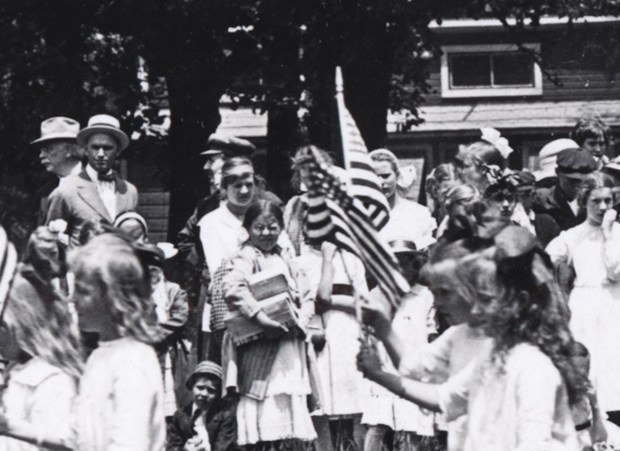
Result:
[{"x": 221, "y": 426}]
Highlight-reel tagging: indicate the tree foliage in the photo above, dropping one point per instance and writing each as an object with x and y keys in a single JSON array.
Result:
[{"x": 79, "y": 58}]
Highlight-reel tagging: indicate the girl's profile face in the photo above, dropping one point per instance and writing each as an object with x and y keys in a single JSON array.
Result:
[
  {"x": 89, "y": 303},
  {"x": 599, "y": 201},
  {"x": 485, "y": 307},
  {"x": 264, "y": 232},
  {"x": 447, "y": 300}
]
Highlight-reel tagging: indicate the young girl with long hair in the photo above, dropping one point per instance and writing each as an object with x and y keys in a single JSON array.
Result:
[
  {"x": 120, "y": 398},
  {"x": 40, "y": 339},
  {"x": 516, "y": 395}
]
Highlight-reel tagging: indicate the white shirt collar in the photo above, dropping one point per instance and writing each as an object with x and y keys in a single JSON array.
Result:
[{"x": 92, "y": 174}]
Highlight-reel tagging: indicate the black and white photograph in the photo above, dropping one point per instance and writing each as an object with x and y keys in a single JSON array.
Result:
[{"x": 317, "y": 225}]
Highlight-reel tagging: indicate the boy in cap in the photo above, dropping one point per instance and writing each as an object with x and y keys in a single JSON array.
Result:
[
  {"x": 98, "y": 192},
  {"x": 209, "y": 422},
  {"x": 560, "y": 201}
]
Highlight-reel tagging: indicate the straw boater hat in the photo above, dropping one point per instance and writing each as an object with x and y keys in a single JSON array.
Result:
[
  {"x": 103, "y": 123},
  {"x": 57, "y": 128},
  {"x": 229, "y": 146}
]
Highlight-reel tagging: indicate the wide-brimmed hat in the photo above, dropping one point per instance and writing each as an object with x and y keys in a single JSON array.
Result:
[
  {"x": 103, "y": 123},
  {"x": 204, "y": 368},
  {"x": 58, "y": 128},
  {"x": 229, "y": 146},
  {"x": 547, "y": 158}
]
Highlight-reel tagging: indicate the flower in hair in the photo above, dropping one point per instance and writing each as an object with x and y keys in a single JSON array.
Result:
[
  {"x": 59, "y": 227},
  {"x": 494, "y": 137}
]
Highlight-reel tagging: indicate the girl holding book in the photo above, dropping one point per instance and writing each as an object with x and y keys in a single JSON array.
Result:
[{"x": 272, "y": 376}]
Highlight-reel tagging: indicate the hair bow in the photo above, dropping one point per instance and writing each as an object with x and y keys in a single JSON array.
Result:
[{"x": 494, "y": 137}]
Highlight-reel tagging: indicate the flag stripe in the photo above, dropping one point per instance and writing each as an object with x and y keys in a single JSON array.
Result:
[{"x": 352, "y": 230}]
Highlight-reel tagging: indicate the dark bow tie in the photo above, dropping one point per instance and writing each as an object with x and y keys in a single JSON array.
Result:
[{"x": 106, "y": 177}]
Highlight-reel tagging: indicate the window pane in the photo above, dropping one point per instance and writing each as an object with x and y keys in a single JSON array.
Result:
[
  {"x": 512, "y": 69},
  {"x": 470, "y": 70}
]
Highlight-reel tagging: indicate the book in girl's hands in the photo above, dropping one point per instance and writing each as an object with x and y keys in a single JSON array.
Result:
[{"x": 272, "y": 291}]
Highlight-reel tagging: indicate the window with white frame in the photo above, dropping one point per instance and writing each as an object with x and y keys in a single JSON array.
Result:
[{"x": 496, "y": 70}]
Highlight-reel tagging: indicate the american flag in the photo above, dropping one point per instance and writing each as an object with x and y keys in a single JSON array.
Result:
[
  {"x": 364, "y": 183},
  {"x": 335, "y": 214}
]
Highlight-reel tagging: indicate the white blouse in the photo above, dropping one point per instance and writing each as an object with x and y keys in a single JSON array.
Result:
[
  {"x": 596, "y": 260},
  {"x": 120, "y": 404},
  {"x": 519, "y": 404}
]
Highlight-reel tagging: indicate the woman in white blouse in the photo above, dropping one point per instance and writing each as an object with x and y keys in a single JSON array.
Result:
[{"x": 592, "y": 249}]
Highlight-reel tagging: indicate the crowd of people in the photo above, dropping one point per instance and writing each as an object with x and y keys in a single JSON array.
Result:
[{"x": 272, "y": 340}]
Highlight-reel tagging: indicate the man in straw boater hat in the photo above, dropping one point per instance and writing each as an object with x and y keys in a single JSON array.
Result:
[
  {"x": 98, "y": 192},
  {"x": 59, "y": 153}
]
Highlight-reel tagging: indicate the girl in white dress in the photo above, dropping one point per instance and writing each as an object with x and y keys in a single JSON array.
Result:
[
  {"x": 592, "y": 249},
  {"x": 335, "y": 276},
  {"x": 516, "y": 395},
  {"x": 383, "y": 410},
  {"x": 119, "y": 405}
]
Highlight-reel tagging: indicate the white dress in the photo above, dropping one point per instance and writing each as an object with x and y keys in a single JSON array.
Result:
[
  {"x": 342, "y": 385},
  {"x": 595, "y": 301},
  {"x": 41, "y": 395},
  {"x": 120, "y": 405},
  {"x": 521, "y": 405},
  {"x": 410, "y": 324}
]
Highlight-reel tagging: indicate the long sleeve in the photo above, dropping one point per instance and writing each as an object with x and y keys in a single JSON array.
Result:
[
  {"x": 175, "y": 437},
  {"x": 57, "y": 208},
  {"x": 52, "y": 407},
  {"x": 537, "y": 394},
  {"x": 454, "y": 394},
  {"x": 136, "y": 422},
  {"x": 236, "y": 283},
  {"x": 611, "y": 254},
  {"x": 178, "y": 312},
  {"x": 187, "y": 239},
  {"x": 431, "y": 362},
  {"x": 225, "y": 436}
]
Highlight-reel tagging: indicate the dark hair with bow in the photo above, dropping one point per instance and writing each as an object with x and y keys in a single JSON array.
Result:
[{"x": 534, "y": 309}]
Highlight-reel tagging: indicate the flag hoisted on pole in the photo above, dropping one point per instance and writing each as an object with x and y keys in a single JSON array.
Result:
[
  {"x": 334, "y": 214},
  {"x": 350, "y": 212},
  {"x": 364, "y": 183}
]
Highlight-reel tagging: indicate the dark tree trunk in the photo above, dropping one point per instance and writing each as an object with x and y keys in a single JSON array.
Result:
[
  {"x": 283, "y": 139},
  {"x": 194, "y": 109}
]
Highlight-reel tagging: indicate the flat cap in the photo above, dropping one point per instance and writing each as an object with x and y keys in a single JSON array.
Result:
[
  {"x": 230, "y": 146},
  {"x": 204, "y": 368},
  {"x": 576, "y": 160}
]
